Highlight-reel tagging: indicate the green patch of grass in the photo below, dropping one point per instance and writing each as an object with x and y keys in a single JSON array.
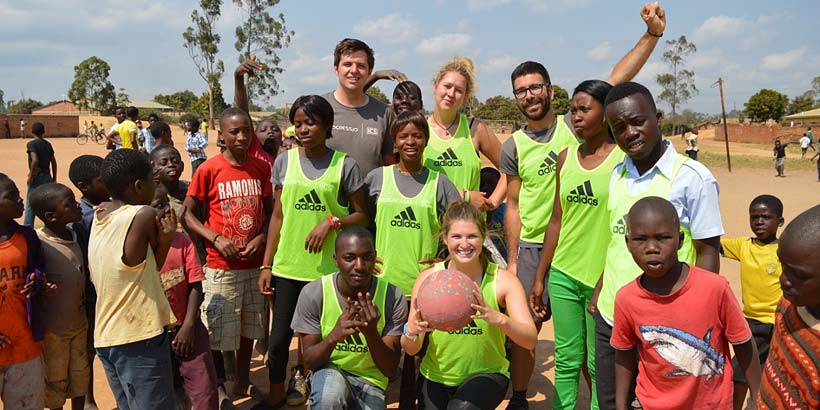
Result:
[{"x": 793, "y": 162}]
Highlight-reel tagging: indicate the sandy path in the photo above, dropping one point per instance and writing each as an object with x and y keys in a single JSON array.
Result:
[{"x": 798, "y": 191}]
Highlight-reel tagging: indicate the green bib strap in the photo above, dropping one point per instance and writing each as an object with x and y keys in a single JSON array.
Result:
[
  {"x": 620, "y": 268},
  {"x": 478, "y": 348},
  {"x": 306, "y": 203},
  {"x": 352, "y": 355},
  {"x": 537, "y": 163},
  {"x": 584, "y": 236},
  {"x": 406, "y": 229},
  {"x": 455, "y": 157}
]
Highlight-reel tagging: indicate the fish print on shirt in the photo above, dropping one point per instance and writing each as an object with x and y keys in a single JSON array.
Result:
[{"x": 691, "y": 355}]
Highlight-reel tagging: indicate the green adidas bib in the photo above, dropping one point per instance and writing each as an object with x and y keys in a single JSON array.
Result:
[
  {"x": 537, "y": 163},
  {"x": 352, "y": 355},
  {"x": 455, "y": 157},
  {"x": 305, "y": 203},
  {"x": 406, "y": 229},
  {"x": 584, "y": 195},
  {"x": 620, "y": 268},
  {"x": 478, "y": 348}
]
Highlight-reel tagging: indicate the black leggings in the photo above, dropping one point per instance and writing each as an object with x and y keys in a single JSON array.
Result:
[
  {"x": 479, "y": 392},
  {"x": 284, "y": 304}
]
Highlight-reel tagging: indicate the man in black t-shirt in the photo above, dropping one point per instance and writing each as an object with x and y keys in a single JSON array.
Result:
[{"x": 42, "y": 166}]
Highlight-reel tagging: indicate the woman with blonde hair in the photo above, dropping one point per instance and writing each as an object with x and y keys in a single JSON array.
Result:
[{"x": 456, "y": 139}]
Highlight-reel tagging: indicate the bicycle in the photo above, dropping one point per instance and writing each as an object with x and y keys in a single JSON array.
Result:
[{"x": 98, "y": 138}]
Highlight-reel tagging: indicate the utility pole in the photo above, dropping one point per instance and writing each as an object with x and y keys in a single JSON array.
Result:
[{"x": 719, "y": 83}]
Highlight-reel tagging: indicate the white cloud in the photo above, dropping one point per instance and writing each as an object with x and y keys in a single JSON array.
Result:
[
  {"x": 316, "y": 79},
  {"x": 504, "y": 63},
  {"x": 444, "y": 43},
  {"x": 782, "y": 61},
  {"x": 463, "y": 24},
  {"x": 478, "y": 5},
  {"x": 553, "y": 5},
  {"x": 601, "y": 52},
  {"x": 747, "y": 33},
  {"x": 649, "y": 71},
  {"x": 391, "y": 28},
  {"x": 706, "y": 58},
  {"x": 720, "y": 28}
]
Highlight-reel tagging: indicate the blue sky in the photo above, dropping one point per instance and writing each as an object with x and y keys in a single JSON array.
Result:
[{"x": 751, "y": 44}]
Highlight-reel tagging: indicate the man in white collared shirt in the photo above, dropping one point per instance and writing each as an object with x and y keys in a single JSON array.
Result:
[{"x": 652, "y": 168}]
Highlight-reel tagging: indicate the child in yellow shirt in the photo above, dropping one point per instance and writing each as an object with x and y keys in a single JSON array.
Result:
[{"x": 759, "y": 277}]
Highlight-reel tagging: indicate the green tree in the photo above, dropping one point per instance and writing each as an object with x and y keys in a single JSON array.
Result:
[
  {"x": 24, "y": 106},
  {"x": 815, "y": 86},
  {"x": 499, "y": 108},
  {"x": 262, "y": 35},
  {"x": 377, "y": 93},
  {"x": 2, "y": 102},
  {"x": 180, "y": 101},
  {"x": 122, "y": 98},
  {"x": 678, "y": 85},
  {"x": 471, "y": 106},
  {"x": 91, "y": 88},
  {"x": 765, "y": 105},
  {"x": 202, "y": 106},
  {"x": 202, "y": 42},
  {"x": 560, "y": 100},
  {"x": 802, "y": 102}
]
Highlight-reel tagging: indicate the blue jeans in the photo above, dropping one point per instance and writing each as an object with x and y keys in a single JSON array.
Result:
[
  {"x": 140, "y": 373},
  {"x": 41, "y": 178},
  {"x": 335, "y": 389}
]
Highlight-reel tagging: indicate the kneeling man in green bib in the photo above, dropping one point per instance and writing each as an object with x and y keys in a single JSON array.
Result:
[{"x": 350, "y": 325}]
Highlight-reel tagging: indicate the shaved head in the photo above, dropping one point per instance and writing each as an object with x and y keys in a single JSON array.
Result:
[
  {"x": 803, "y": 231},
  {"x": 653, "y": 205}
]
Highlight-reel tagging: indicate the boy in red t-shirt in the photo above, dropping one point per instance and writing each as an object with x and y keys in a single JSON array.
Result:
[
  {"x": 679, "y": 319},
  {"x": 182, "y": 279},
  {"x": 22, "y": 380},
  {"x": 236, "y": 190}
]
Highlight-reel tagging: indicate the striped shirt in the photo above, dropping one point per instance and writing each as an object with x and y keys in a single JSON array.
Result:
[
  {"x": 196, "y": 140},
  {"x": 791, "y": 379}
]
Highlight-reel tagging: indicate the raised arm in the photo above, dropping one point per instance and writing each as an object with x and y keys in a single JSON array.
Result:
[
  {"x": 240, "y": 92},
  {"x": 394, "y": 75},
  {"x": 655, "y": 18}
]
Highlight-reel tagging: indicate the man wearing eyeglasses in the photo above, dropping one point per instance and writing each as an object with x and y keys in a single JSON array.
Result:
[{"x": 529, "y": 160}]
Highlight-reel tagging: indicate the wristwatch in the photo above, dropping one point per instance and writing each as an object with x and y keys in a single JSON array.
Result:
[{"x": 411, "y": 338}]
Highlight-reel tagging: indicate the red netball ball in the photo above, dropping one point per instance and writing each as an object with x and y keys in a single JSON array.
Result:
[{"x": 444, "y": 300}]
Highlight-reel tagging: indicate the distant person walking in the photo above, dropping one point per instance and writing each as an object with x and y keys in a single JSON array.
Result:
[
  {"x": 805, "y": 142},
  {"x": 42, "y": 166},
  {"x": 692, "y": 145},
  {"x": 7, "y": 127},
  {"x": 22, "y": 128},
  {"x": 810, "y": 135}
]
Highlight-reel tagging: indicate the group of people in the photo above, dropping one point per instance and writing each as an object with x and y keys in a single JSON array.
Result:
[{"x": 610, "y": 233}]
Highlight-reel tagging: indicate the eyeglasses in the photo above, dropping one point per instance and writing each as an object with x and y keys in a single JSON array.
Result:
[{"x": 535, "y": 89}]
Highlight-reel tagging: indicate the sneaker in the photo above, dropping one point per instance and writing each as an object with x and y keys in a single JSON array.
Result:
[
  {"x": 297, "y": 387},
  {"x": 518, "y": 404}
]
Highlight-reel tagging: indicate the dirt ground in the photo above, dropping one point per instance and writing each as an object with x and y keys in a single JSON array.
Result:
[{"x": 799, "y": 191}]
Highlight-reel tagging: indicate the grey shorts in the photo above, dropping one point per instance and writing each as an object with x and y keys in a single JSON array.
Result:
[{"x": 527, "y": 263}]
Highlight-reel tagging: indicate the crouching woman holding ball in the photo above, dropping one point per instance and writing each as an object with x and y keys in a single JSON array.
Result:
[{"x": 468, "y": 368}]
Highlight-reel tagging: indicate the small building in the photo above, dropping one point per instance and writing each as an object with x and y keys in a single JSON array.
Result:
[
  {"x": 803, "y": 118},
  {"x": 58, "y": 108}
]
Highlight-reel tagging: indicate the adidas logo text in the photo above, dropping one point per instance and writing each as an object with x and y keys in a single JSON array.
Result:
[
  {"x": 549, "y": 164},
  {"x": 620, "y": 227},
  {"x": 406, "y": 219},
  {"x": 448, "y": 158},
  {"x": 310, "y": 202},
  {"x": 353, "y": 344},
  {"x": 583, "y": 195},
  {"x": 470, "y": 329}
]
